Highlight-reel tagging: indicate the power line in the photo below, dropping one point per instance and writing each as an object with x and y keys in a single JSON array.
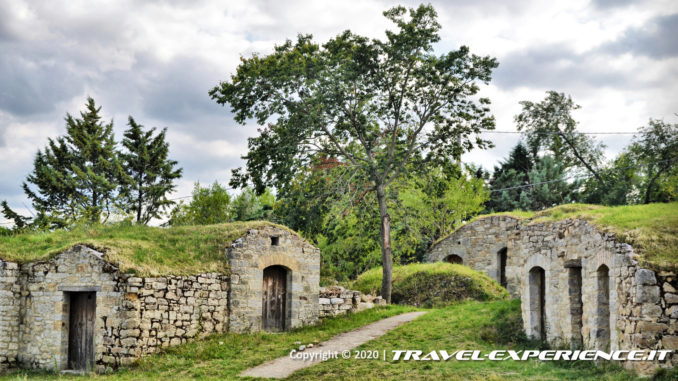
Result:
[{"x": 557, "y": 133}]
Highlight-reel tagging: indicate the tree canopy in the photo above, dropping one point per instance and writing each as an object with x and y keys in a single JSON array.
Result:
[{"x": 377, "y": 106}]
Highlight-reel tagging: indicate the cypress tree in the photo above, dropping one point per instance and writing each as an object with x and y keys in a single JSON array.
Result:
[{"x": 150, "y": 174}]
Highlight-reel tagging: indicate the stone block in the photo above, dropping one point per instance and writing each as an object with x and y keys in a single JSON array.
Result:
[
  {"x": 670, "y": 342},
  {"x": 324, "y": 301},
  {"x": 645, "y": 277},
  {"x": 647, "y": 294}
]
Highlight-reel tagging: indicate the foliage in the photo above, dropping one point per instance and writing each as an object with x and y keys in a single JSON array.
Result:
[
  {"x": 152, "y": 251},
  {"x": 549, "y": 125},
  {"x": 424, "y": 207},
  {"x": 655, "y": 151},
  {"x": 150, "y": 174},
  {"x": 249, "y": 206},
  {"x": 432, "y": 284},
  {"x": 364, "y": 102},
  {"x": 521, "y": 169},
  {"x": 209, "y": 205}
]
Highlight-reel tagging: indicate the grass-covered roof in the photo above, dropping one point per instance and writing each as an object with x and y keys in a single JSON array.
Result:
[
  {"x": 651, "y": 229},
  {"x": 143, "y": 250}
]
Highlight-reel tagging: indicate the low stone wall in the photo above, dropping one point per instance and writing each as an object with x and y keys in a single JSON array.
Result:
[
  {"x": 337, "y": 300},
  {"x": 163, "y": 311}
]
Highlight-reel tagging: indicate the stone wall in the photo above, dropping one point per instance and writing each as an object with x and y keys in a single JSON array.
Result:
[
  {"x": 135, "y": 315},
  {"x": 337, "y": 300},
  {"x": 595, "y": 295},
  {"x": 478, "y": 244},
  {"x": 271, "y": 246},
  {"x": 163, "y": 311},
  {"x": 10, "y": 294}
]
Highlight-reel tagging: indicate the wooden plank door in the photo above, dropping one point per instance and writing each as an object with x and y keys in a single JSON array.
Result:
[
  {"x": 82, "y": 318},
  {"x": 273, "y": 298}
]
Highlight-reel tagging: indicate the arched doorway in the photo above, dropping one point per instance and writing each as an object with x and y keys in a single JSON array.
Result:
[
  {"x": 274, "y": 298},
  {"x": 501, "y": 263},
  {"x": 537, "y": 284},
  {"x": 453, "y": 258},
  {"x": 602, "y": 332}
]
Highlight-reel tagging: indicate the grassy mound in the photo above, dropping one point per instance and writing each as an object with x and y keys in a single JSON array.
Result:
[
  {"x": 432, "y": 284},
  {"x": 144, "y": 250},
  {"x": 651, "y": 229}
]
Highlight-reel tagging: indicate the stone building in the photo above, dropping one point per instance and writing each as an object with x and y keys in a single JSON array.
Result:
[
  {"x": 580, "y": 287},
  {"x": 77, "y": 310}
]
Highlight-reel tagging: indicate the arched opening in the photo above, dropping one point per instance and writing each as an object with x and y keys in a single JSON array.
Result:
[
  {"x": 274, "y": 298},
  {"x": 537, "y": 284},
  {"x": 574, "y": 283},
  {"x": 602, "y": 332},
  {"x": 453, "y": 258},
  {"x": 501, "y": 262}
]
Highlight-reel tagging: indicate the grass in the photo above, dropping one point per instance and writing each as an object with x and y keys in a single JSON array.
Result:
[
  {"x": 651, "y": 229},
  {"x": 471, "y": 325},
  {"x": 432, "y": 284},
  {"x": 144, "y": 250}
]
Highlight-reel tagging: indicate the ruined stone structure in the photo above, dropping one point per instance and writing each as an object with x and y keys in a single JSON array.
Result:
[
  {"x": 580, "y": 287},
  {"x": 336, "y": 300},
  {"x": 76, "y": 310}
]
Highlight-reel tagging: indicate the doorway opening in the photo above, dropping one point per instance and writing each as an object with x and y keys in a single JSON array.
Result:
[
  {"x": 574, "y": 282},
  {"x": 603, "y": 308},
  {"x": 81, "y": 325},
  {"x": 453, "y": 258},
  {"x": 537, "y": 284},
  {"x": 274, "y": 298},
  {"x": 501, "y": 261}
]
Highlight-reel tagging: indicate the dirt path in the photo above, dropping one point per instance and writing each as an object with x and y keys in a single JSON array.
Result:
[{"x": 284, "y": 366}]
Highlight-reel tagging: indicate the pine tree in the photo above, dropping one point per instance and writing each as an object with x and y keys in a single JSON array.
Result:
[
  {"x": 149, "y": 173},
  {"x": 76, "y": 176}
]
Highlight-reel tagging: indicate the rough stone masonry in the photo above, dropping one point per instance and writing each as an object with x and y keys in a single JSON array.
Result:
[
  {"x": 580, "y": 287},
  {"x": 136, "y": 315}
]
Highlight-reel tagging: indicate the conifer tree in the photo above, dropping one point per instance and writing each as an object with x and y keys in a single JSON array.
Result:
[
  {"x": 76, "y": 176},
  {"x": 149, "y": 173}
]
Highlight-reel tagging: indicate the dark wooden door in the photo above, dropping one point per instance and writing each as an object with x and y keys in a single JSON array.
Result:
[
  {"x": 274, "y": 298},
  {"x": 82, "y": 318}
]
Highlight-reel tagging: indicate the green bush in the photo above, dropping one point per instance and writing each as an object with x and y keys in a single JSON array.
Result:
[{"x": 432, "y": 284}]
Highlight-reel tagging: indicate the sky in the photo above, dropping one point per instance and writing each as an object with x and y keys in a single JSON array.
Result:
[{"x": 157, "y": 60}]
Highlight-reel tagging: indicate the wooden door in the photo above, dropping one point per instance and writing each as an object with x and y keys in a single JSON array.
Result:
[
  {"x": 273, "y": 298},
  {"x": 82, "y": 318}
]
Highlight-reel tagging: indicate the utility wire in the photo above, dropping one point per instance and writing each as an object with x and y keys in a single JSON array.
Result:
[{"x": 557, "y": 133}]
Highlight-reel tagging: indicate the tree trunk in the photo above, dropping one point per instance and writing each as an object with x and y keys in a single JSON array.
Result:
[
  {"x": 650, "y": 184},
  {"x": 580, "y": 158},
  {"x": 386, "y": 257},
  {"x": 139, "y": 203}
]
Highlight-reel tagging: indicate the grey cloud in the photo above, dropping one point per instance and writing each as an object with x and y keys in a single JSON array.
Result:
[
  {"x": 608, "y": 4},
  {"x": 31, "y": 85},
  {"x": 553, "y": 67},
  {"x": 657, "y": 39}
]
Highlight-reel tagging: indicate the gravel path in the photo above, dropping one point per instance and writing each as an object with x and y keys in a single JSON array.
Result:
[{"x": 284, "y": 366}]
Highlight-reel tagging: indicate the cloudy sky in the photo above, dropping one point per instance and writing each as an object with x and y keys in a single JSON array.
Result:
[{"x": 156, "y": 61}]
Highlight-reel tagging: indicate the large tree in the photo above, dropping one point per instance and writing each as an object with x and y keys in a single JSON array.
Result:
[
  {"x": 379, "y": 106},
  {"x": 655, "y": 151},
  {"x": 549, "y": 125},
  {"x": 150, "y": 174},
  {"x": 76, "y": 176}
]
